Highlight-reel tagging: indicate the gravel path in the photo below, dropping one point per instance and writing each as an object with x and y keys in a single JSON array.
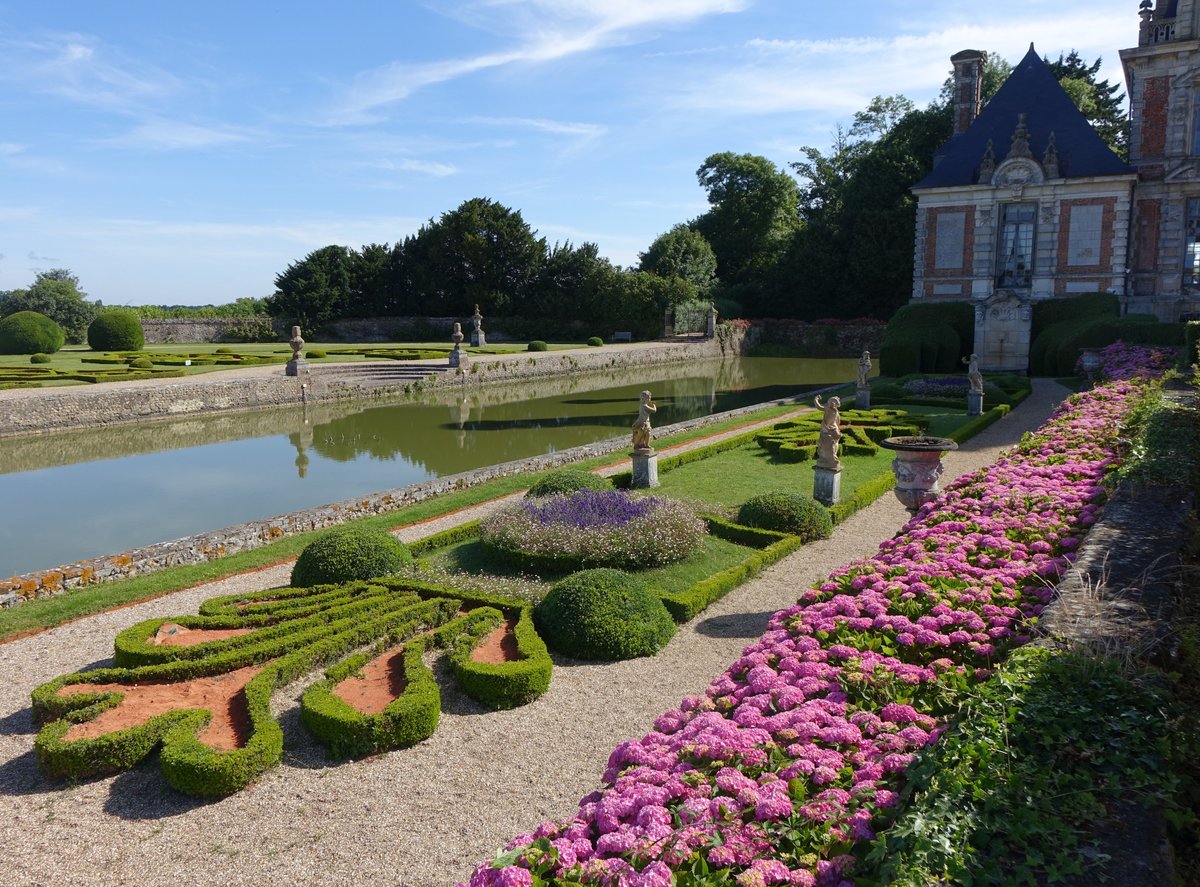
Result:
[{"x": 418, "y": 817}]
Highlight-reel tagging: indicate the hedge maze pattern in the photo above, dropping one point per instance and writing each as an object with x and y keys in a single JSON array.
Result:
[
  {"x": 267, "y": 642},
  {"x": 862, "y": 430}
]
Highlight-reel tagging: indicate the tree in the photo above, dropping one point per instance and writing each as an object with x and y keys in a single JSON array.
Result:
[
  {"x": 481, "y": 253},
  {"x": 374, "y": 281},
  {"x": 752, "y": 215},
  {"x": 1099, "y": 100},
  {"x": 682, "y": 252},
  {"x": 568, "y": 282},
  {"x": 56, "y": 294},
  {"x": 853, "y": 257},
  {"x": 316, "y": 290}
]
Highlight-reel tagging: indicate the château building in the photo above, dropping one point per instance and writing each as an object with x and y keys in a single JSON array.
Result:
[{"x": 1026, "y": 202}]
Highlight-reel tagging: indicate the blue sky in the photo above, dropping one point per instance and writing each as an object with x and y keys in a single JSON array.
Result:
[{"x": 175, "y": 153}]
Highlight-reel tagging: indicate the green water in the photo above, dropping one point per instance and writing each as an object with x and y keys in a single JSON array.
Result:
[{"x": 101, "y": 491}]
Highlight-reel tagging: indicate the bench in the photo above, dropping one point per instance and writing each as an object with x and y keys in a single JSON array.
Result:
[{"x": 624, "y": 336}]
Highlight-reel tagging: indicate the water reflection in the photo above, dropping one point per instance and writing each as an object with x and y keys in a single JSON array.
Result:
[{"x": 163, "y": 480}]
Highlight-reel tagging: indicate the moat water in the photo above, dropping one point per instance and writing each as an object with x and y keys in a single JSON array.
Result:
[{"x": 72, "y": 496}]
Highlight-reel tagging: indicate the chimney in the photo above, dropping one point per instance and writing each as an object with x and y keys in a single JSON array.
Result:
[{"x": 968, "y": 87}]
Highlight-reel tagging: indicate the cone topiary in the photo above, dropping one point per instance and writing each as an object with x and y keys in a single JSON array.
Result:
[{"x": 348, "y": 553}]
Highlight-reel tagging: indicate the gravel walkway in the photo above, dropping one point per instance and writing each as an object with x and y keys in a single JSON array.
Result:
[{"x": 418, "y": 817}]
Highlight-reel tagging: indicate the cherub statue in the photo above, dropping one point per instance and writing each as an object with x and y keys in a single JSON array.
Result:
[
  {"x": 641, "y": 426},
  {"x": 831, "y": 433},
  {"x": 973, "y": 374},
  {"x": 864, "y": 369}
]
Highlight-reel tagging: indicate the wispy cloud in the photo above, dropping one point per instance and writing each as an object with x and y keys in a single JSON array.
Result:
[
  {"x": 424, "y": 167},
  {"x": 544, "y": 31},
  {"x": 78, "y": 67},
  {"x": 34, "y": 257},
  {"x": 556, "y": 127},
  {"x": 161, "y": 134},
  {"x": 841, "y": 75}
]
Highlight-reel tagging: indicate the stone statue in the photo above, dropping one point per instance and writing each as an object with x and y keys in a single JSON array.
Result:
[
  {"x": 641, "y": 426},
  {"x": 864, "y": 369},
  {"x": 831, "y": 434},
  {"x": 973, "y": 374},
  {"x": 458, "y": 357},
  {"x": 477, "y": 337}
]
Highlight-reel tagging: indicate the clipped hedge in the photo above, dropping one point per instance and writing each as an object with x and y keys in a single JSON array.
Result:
[
  {"x": 349, "y": 733},
  {"x": 604, "y": 614},
  {"x": 500, "y": 685},
  {"x": 28, "y": 332},
  {"x": 929, "y": 337},
  {"x": 785, "y": 512},
  {"x": 347, "y": 553},
  {"x": 116, "y": 330}
]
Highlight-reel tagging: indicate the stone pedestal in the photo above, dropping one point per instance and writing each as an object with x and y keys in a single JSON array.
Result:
[
  {"x": 458, "y": 357},
  {"x": 862, "y": 397},
  {"x": 645, "y": 469},
  {"x": 296, "y": 366},
  {"x": 478, "y": 338},
  {"x": 974, "y": 403},
  {"x": 827, "y": 485}
]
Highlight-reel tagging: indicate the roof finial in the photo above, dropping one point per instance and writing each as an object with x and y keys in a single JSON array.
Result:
[
  {"x": 987, "y": 166},
  {"x": 1050, "y": 158},
  {"x": 1020, "y": 139}
]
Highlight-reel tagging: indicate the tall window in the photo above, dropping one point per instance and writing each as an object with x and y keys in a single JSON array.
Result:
[
  {"x": 1191, "y": 257},
  {"x": 1014, "y": 258}
]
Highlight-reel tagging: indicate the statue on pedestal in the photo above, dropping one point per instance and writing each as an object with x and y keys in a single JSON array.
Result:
[
  {"x": 831, "y": 434},
  {"x": 864, "y": 369},
  {"x": 973, "y": 374},
  {"x": 477, "y": 336},
  {"x": 641, "y": 426},
  {"x": 458, "y": 357}
]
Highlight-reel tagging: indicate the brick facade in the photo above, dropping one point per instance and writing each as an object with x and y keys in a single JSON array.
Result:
[{"x": 1156, "y": 91}]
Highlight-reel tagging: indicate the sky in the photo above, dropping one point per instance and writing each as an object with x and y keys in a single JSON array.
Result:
[{"x": 186, "y": 153}]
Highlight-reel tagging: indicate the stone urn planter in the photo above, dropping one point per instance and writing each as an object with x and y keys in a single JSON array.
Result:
[
  {"x": 1090, "y": 361},
  {"x": 917, "y": 466}
]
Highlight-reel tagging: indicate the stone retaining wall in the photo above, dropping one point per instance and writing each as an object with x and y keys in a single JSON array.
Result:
[
  {"x": 204, "y": 329},
  {"x": 823, "y": 339},
  {"x": 219, "y": 543}
]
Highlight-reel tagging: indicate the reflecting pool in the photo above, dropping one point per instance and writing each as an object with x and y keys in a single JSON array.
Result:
[{"x": 72, "y": 496}]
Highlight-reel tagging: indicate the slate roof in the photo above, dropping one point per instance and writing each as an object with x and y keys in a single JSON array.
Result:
[{"x": 1033, "y": 90}]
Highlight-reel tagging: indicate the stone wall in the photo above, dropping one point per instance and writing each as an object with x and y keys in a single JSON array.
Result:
[{"x": 214, "y": 329}]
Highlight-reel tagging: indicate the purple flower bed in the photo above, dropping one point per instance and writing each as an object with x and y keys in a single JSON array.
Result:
[
  {"x": 793, "y": 758},
  {"x": 945, "y": 386},
  {"x": 1121, "y": 361},
  {"x": 590, "y": 508},
  {"x": 595, "y": 528}
]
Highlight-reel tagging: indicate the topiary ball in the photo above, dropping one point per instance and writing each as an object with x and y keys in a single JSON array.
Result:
[
  {"x": 537, "y": 345},
  {"x": 28, "y": 332},
  {"x": 348, "y": 553},
  {"x": 603, "y": 614},
  {"x": 595, "y": 341},
  {"x": 568, "y": 480},
  {"x": 314, "y": 353},
  {"x": 141, "y": 363},
  {"x": 792, "y": 513},
  {"x": 116, "y": 331},
  {"x": 39, "y": 358}
]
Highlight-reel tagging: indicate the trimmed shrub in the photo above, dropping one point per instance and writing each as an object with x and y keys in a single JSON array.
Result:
[
  {"x": 39, "y": 358},
  {"x": 537, "y": 345},
  {"x": 792, "y": 513},
  {"x": 348, "y": 553},
  {"x": 28, "y": 332},
  {"x": 568, "y": 480},
  {"x": 314, "y": 353},
  {"x": 603, "y": 614},
  {"x": 595, "y": 341},
  {"x": 116, "y": 331},
  {"x": 141, "y": 363},
  {"x": 224, "y": 351},
  {"x": 927, "y": 338}
]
